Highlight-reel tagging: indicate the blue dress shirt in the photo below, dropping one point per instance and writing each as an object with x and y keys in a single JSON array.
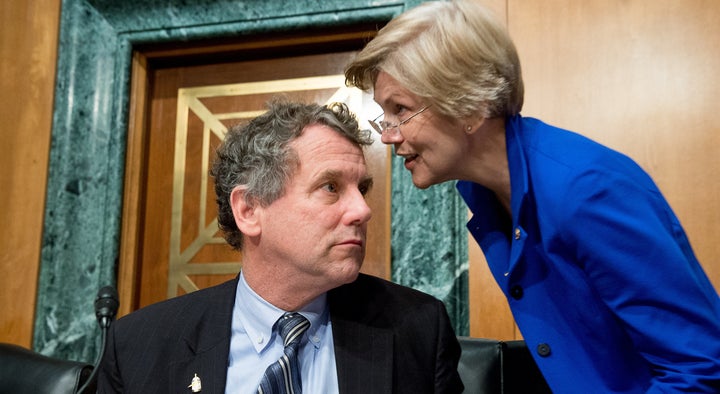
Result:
[
  {"x": 597, "y": 270},
  {"x": 254, "y": 345}
]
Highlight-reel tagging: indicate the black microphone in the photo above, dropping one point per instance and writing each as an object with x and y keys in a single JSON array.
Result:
[{"x": 106, "y": 306}]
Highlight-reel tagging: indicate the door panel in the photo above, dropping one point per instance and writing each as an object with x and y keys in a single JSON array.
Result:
[{"x": 190, "y": 108}]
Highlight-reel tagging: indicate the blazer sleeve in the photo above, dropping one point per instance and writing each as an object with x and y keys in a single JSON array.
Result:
[
  {"x": 109, "y": 380},
  {"x": 447, "y": 379},
  {"x": 639, "y": 260},
  {"x": 414, "y": 348}
]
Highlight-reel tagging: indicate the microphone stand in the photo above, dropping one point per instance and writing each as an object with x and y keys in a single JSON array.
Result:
[{"x": 106, "y": 306}]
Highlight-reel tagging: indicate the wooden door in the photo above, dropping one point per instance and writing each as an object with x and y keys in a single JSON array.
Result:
[{"x": 189, "y": 108}]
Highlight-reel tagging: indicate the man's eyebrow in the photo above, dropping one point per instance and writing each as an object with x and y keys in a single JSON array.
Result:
[{"x": 329, "y": 175}]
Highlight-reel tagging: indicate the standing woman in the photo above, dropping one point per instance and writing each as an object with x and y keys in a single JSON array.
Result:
[{"x": 598, "y": 272}]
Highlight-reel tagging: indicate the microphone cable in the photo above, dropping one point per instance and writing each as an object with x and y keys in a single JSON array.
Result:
[
  {"x": 106, "y": 306},
  {"x": 93, "y": 375}
]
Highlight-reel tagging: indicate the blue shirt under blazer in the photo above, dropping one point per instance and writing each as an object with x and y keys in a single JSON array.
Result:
[{"x": 598, "y": 271}]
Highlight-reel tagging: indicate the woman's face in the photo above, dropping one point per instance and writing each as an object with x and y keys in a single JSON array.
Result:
[{"x": 431, "y": 144}]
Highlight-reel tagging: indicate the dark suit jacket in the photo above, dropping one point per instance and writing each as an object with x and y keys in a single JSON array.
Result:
[{"x": 388, "y": 339}]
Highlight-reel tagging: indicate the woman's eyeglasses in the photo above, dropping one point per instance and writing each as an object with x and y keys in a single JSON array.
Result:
[{"x": 392, "y": 129}]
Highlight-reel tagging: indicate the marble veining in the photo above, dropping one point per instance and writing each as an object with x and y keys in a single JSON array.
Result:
[
  {"x": 170, "y": 14},
  {"x": 429, "y": 242},
  {"x": 84, "y": 193}
]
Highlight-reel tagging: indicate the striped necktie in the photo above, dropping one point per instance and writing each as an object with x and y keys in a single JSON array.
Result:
[{"x": 283, "y": 376}]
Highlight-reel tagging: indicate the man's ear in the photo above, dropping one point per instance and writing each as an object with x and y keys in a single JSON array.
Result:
[{"x": 246, "y": 215}]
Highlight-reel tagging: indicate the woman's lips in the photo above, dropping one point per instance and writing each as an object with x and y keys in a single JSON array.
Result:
[{"x": 410, "y": 162}]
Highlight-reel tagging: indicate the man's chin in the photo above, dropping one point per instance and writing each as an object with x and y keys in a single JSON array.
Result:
[
  {"x": 349, "y": 274},
  {"x": 352, "y": 278}
]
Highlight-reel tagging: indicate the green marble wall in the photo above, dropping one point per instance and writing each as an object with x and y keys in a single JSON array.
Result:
[
  {"x": 85, "y": 183},
  {"x": 429, "y": 242}
]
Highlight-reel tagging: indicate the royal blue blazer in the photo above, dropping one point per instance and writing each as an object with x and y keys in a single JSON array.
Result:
[{"x": 597, "y": 270}]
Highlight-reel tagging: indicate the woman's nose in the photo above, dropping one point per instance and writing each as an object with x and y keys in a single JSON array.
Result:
[{"x": 390, "y": 137}]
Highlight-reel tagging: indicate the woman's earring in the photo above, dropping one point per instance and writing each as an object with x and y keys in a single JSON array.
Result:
[{"x": 468, "y": 129}]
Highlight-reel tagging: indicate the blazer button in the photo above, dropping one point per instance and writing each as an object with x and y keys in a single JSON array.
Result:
[
  {"x": 543, "y": 350},
  {"x": 516, "y": 292}
]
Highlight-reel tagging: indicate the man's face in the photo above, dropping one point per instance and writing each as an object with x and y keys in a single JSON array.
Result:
[{"x": 315, "y": 233}]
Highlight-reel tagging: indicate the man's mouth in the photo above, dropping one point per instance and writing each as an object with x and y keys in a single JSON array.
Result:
[{"x": 352, "y": 242}]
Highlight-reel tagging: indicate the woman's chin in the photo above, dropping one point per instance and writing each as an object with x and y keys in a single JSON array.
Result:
[
  {"x": 421, "y": 182},
  {"x": 421, "y": 178}
]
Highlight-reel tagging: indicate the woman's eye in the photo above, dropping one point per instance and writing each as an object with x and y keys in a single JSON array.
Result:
[{"x": 399, "y": 109}]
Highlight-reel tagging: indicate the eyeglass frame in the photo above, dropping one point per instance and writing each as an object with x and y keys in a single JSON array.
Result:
[{"x": 383, "y": 126}]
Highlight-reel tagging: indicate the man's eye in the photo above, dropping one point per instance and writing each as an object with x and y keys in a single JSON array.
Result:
[
  {"x": 331, "y": 187},
  {"x": 365, "y": 186}
]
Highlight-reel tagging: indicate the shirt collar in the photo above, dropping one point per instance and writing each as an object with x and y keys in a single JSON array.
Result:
[{"x": 256, "y": 317}]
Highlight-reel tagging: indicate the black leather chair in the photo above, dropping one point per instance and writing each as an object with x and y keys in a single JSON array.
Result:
[
  {"x": 520, "y": 372},
  {"x": 480, "y": 366},
  {"x": 489, "y": 366},
  {"x": 24, "y": 371}
]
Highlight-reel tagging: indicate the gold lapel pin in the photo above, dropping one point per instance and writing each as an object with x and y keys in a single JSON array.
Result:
[{"x": 195, "y": 385}]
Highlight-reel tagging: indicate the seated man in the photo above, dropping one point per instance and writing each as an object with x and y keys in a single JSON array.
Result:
[{"x": 290, "y": 189}]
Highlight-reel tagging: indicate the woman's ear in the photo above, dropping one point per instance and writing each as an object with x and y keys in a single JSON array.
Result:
[
  {"x": 473, "y": 123},
  {"x": 246, "y": 216}
]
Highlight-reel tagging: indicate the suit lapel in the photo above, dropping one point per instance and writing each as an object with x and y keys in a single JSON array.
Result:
[
  {"x": 363, "y": 352},
  {"x": 364, "y": 357},
  {"x": 208, "y": 342},
  {"x": 210, "y": 366}
]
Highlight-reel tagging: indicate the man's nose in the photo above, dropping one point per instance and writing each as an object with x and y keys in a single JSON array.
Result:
[{"x": 360, "y": 211}]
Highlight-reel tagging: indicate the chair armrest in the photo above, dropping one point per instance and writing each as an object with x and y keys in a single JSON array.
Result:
[{"x": 25, "y": 371}]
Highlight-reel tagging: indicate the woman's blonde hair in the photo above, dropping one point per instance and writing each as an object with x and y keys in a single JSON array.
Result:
[{"x": 454, "y": 55}]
